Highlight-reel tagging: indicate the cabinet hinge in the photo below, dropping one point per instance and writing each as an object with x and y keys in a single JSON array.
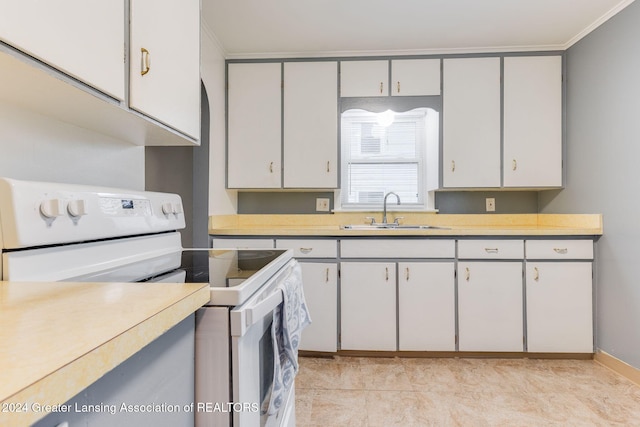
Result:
[{"x": 339, "y": 273}]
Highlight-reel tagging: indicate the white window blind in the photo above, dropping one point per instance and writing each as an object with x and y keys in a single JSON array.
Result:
[{"x": 378, "y": 157}]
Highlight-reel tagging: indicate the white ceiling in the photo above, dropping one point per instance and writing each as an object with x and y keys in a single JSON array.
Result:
[{"x": 312, "y": 28}]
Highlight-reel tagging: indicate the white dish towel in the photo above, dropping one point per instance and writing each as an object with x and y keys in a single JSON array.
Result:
[{"x": 289, "y": 319}]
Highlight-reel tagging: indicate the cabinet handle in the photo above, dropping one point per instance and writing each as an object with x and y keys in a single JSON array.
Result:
[
  {"x": 386, "y": 274},
  {"x": 453, "y": 165},
  {"x": 381, "y": 87},
  {"x": 271, "y": 167},
  {"x": 398, "y": 87},
  {"x": 561, "y": 250},
  {"x": 514, "y": 164},
  {"x": 305, "y": 250},
  {"x": 536, "y": 274},
  {"x": 328, "y": 167},
  {"x": 145, "y": 62},
  {"x": 326, "y": 278},
  {"x": 467, "y": 274},
  {"x": 491, "y": 250},
  {"x": 407, "y": 273}
]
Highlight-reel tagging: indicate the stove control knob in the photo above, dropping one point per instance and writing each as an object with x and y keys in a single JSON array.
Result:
[
  {"x": 167, "y": 208},
  {"x": 77, "y": 208},
  {"x": 51, "y": 208},
  {"x": 177, "y": 208}
]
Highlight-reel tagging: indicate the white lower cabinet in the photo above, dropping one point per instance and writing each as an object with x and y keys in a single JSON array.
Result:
[
  {"x": 401, "y": 295},
  {"x": 320, "y": 283},
  {"x": 490, "y": 306},
  {"x": 426, "y": 306},
  {"x": 559, "y": 307},
  {"x": 368, "y": 306}
]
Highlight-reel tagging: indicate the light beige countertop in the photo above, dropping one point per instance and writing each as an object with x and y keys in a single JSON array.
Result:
[
  {"x": 453, "y": 225},
  {"x": 58, "y": 338}
]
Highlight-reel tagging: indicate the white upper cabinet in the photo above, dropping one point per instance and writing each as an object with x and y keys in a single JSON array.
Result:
[
  {"x": 409, "y": 77},
  {"x": 84, "y": 39},
  {"x": 254, "y": 133},
  {"x": 471, "y": 129},
  {"x": 310, "y": 125},
  {"x": 364, "y": 78},
  {"x": 533, "y": 121},
  {"x": 415, "y": 77},
  {"x": 165, "y": 62}
]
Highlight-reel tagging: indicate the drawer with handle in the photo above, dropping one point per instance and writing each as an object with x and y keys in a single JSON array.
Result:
[
  {"x": 559, "y": 249},
  {"x": 490, "y": 249},
  {"x": 397, "y": 248},
  {"x": 310, "y": 248}
]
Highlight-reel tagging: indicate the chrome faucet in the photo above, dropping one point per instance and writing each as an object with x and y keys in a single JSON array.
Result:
[{"x": 384, "y": 209}]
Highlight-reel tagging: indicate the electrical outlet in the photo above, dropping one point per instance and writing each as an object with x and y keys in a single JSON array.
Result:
[
  {"x": 491, "y": 204},
  {"x": 322, "y": 205}
]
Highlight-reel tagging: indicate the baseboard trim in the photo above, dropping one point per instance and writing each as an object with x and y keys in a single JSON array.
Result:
[
  {"x": 448, "y": 354},
  {"x": 618, "y": 366}
]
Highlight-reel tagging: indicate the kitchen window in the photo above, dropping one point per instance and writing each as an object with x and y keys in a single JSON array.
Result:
[{"x": 387, "y": 151}]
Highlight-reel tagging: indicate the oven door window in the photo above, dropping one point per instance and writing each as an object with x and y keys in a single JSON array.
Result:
[{"x": 266, "y": 363}]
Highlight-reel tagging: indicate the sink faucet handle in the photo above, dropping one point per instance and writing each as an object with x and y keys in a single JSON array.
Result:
[
  {"x": 370, "y": 218},
  {"x": 397, "y": 219}
]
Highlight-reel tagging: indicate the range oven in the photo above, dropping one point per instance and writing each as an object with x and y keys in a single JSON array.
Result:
[
  {"x": 55, "y": 232},
  {"x": 243, "y": 331}
]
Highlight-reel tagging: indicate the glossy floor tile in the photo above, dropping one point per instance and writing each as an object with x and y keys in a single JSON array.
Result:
[{"x": 370, "y": 392}]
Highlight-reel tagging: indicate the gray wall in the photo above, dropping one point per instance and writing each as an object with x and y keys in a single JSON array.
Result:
[
  {"x": 449, "y": 202},
  {"x": 185, "y": 171},
  {"x": 473, "y": 202},
  {"x": 603, "y": 170}
]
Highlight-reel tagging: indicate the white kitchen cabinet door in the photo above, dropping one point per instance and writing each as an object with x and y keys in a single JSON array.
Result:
[
  {"x": 368, "y": 306},
  {"x": 471, "y": 122},
  {"x": 414, "y": 77},
  {"x": 320, "y": 283},
  {"x": 533, "y": 121},
  {"x": 559, "y": 307},
  {"x": 426, "y": 306},
  {"x": 165, "y": 42},
  {"x": 254, "y": 127},
  {"x": 310, "y": 125},
  {"x": 490, "y": 306},
  {"x": 84, "y": 39},
  {"x": 364, "y": 78}
]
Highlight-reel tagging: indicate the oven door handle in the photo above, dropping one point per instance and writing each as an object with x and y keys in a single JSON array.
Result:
[
  {"x": 242, "y": 320},
  {"x": 244, "y": 317},
  {"x": 265, "y": 307}
]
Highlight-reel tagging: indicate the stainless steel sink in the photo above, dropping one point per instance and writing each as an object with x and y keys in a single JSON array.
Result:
[{"x": 390, "y": 227}]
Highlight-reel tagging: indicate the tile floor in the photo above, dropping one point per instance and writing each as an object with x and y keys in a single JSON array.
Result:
[{"x": 368, "y": 392}]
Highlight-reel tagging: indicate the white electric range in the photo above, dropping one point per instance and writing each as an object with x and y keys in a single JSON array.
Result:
[{"x": 61, "y": 232}]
